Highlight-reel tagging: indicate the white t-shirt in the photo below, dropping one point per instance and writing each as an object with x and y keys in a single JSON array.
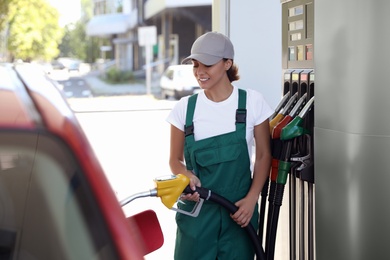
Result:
[{"x": 216, "y": 118}]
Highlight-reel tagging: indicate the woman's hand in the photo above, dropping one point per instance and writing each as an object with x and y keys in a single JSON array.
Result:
[
  {"x": 262, "y": 165},
  {"x": 194, "y": 182},
  {"x": 244, "y": 213}
]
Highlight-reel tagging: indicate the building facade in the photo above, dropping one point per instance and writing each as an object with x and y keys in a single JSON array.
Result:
[{"x": 178, "y": 24}]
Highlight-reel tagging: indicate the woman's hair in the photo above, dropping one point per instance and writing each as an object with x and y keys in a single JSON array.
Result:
[{"x": 232, "y": 73}]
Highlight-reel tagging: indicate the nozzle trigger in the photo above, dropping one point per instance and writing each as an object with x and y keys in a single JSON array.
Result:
[{"x": 195, "y": 210}]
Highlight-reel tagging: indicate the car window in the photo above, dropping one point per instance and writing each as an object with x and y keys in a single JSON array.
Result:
[{"x": 46, "y": 207}]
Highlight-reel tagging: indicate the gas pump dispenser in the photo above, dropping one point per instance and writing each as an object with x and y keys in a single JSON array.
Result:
[{"x": 293, "y": 162}]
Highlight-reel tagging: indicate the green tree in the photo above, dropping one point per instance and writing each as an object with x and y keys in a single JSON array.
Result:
[
  {"x": 34, "y": 31},
  {"x": 3, "y": 12},
  {"x": 65, "y": 46},
  {"x": 75, "y": 42}
]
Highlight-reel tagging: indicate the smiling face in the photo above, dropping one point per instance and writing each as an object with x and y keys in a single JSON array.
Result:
[{"x": 212, "y": 76}]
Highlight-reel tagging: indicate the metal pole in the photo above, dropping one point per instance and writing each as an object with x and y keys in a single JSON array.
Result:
[{"x": 148, "y": 56}]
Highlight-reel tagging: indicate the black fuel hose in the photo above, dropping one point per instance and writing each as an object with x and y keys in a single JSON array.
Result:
[
  {"x": 206, "y": 194},
  {"x": 263, "y": 205}
]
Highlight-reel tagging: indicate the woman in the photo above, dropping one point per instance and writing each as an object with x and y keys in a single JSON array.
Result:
[{"x": 213, "y": 150}]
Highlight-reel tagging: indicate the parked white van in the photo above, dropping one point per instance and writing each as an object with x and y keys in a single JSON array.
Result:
[{"x": 178, "y": 81}]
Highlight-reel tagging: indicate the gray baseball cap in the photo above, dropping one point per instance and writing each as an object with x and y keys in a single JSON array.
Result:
[{"x": 210, "y": 48}]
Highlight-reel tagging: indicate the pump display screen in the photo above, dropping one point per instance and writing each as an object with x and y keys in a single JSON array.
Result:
[{"x": 298, "y": 34}]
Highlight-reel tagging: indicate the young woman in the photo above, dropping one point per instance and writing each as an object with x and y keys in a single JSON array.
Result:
[{"x": 213, "y": 149}]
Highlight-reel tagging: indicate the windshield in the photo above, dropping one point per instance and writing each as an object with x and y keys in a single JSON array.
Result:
[
  {"x": 186, "y": 76},
  {"x": 186, "y": 72}
]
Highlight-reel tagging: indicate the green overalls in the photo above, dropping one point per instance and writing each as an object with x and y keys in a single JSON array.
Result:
[{"x": 222, "y": 164}]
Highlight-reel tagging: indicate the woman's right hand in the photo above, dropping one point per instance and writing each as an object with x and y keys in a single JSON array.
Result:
[{"x": 194, "y": 182}]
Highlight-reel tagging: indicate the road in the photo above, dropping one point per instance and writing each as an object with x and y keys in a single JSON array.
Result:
[
  {"x": 76, "y": 87},
  {"x": 72, "y": 83}
]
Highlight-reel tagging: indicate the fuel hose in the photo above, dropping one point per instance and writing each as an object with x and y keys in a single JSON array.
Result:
[
  {"x": 263, "y": 205},
  {"x": 207, "y": 194}
]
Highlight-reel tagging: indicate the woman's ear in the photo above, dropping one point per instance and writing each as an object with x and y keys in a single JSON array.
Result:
[{"x": 228, "y": 64}]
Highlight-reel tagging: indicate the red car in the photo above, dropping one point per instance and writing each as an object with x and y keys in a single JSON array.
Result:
[{"x": 55, "y": 200}]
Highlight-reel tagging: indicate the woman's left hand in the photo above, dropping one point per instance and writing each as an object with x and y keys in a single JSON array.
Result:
[{"x": 244, "y": 213}]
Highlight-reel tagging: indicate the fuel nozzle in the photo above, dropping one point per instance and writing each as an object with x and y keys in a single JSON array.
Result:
[
  {"x": 287, "y": 119},
  {"x": 277, "y": 118},
  {"x": 170, "y": 188},
  {"x": 280, "y": 105},
  {"x": 294, "y": 128}
]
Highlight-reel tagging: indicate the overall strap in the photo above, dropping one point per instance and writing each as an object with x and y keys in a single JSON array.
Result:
[
  {"x": 241, "y": 111},
  {"x": 189, "y": 126},
  {"x": 189, "y": 130}
]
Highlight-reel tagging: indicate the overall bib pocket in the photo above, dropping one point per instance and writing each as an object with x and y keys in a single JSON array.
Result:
[{"x": 208, "y": 157}]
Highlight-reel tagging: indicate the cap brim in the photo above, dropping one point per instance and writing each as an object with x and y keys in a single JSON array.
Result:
[{"x": 206, "y": 59}]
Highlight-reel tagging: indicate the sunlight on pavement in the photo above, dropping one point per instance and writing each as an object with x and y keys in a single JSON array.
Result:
[{"x": 120, "y": 103}]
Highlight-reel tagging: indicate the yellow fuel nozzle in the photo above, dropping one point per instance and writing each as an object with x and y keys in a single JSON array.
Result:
[
  {"x": 275, "y": 121},
  {"x": 170, "y": 188}
]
